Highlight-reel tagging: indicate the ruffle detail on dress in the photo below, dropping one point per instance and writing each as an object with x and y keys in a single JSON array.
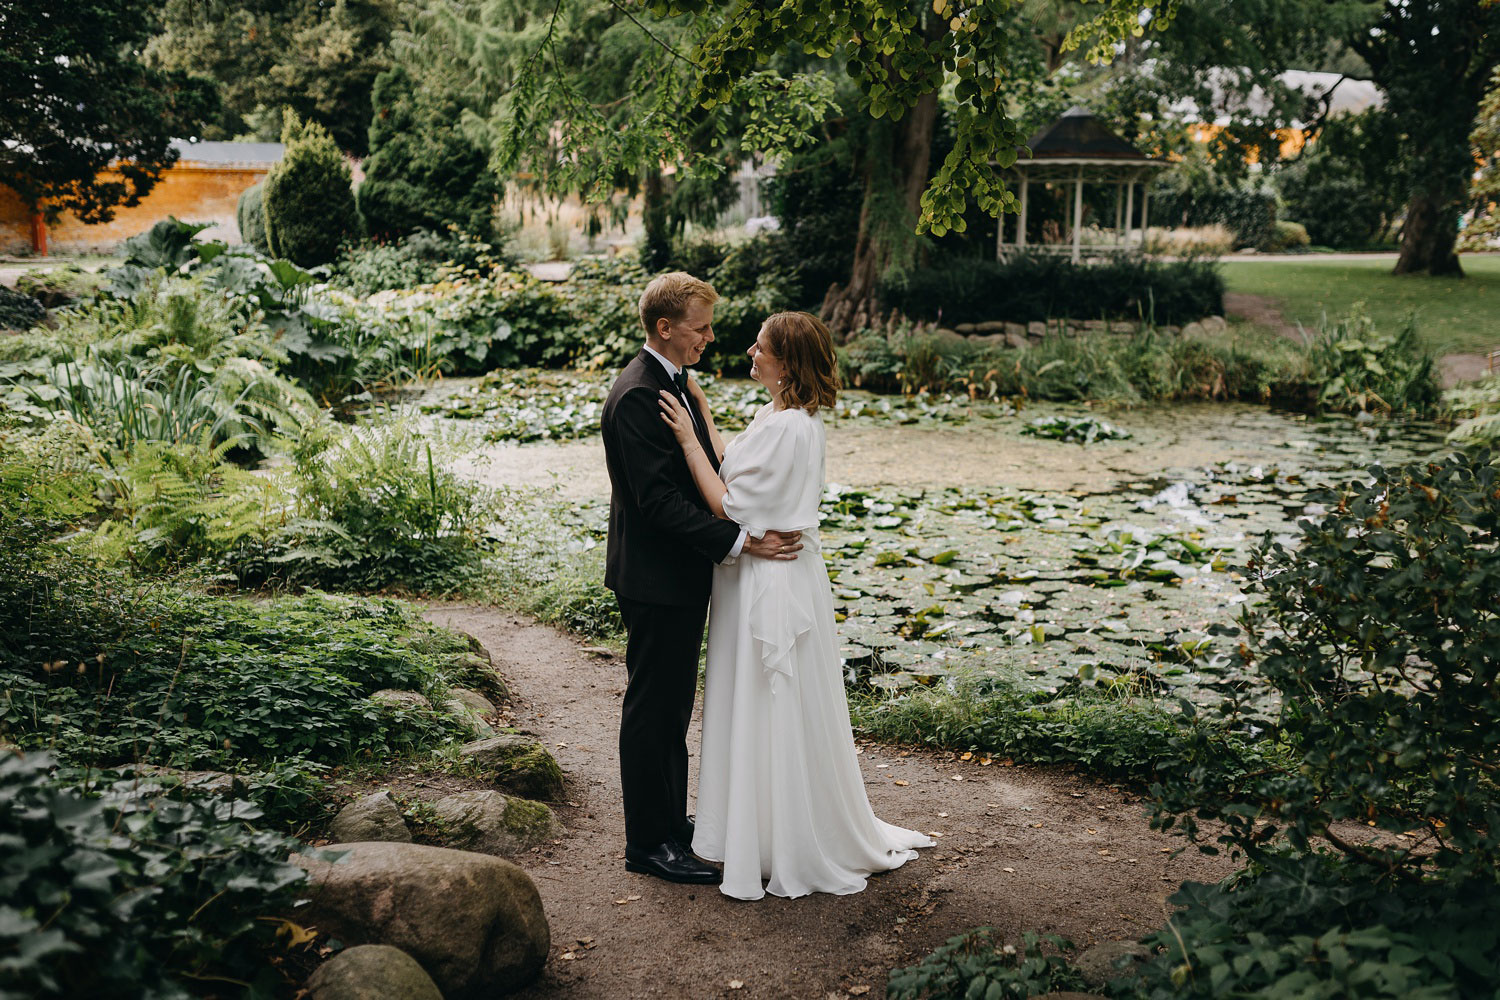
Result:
[{"x": 778, "y": 617}]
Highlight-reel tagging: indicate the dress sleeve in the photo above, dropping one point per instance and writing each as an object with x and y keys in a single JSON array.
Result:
[{"x": 768, "y": 480}]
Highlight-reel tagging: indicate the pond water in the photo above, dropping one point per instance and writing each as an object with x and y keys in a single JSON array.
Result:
[{"x": 960, "y": 542}]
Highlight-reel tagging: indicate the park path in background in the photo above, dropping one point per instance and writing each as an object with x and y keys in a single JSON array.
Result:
[{"x": 1020, "y": 849}]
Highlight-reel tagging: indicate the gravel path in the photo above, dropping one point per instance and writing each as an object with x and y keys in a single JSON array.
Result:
[{"x": 1021, "y": 848}]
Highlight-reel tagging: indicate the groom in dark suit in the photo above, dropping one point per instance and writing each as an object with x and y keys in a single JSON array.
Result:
[{"x": 663, "y": 543}]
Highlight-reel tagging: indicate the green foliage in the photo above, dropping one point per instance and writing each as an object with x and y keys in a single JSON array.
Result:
[
  {"x": 113, "y": 889},
  {"x": 309, "y": 205},
  {"x": 250, "y": 216},
  {"x": 1357, "y": 369},
  {"x": 1313, "y": 928},
  {"x": 369, "y": 509},
  {"x": 1249, "y": 212},
  {"x": 1476, "y": 407},
  {"x": 18, "y": 310},
  {"x": 977, "y": 966},
  {"x": 817, "y": 196},
  {"x": 422, "y": 171},
  {"x": 1080, "y": 430},
  {"x": 1486, "y": 190},
  {"x": 420, "y": 258},
  {"x": 59, "y": 286},
  {"x": 1047, "y": 286},
  {"x": 1347, "y": 188}
]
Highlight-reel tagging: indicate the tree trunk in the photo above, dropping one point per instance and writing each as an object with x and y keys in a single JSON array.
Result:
[
  {"x": 897, "y": 176},
  {"x": 656, "y": 244},
  {"x": 1428, "y": 238}
]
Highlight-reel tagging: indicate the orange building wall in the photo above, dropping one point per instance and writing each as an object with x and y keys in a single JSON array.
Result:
[{"x": 192, "y": 192}]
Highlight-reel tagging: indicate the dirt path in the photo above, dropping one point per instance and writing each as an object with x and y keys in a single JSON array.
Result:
[{"x": 1020, "y": 849}]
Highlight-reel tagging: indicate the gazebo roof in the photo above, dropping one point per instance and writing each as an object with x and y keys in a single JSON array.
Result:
[{"x": 1079, "y": 136}]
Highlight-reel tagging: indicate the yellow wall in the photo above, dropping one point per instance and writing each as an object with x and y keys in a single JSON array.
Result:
[{"x": 193, "y": 192}]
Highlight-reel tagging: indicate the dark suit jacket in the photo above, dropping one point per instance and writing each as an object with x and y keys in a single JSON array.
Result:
[{"x": 663, "y": 540}]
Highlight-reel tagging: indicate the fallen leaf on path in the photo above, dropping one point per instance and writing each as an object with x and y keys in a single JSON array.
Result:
[
  {"x": 942, "y": 815},
  {"x": 1087, "y": 830},
  {"x": 1007, "y": 762},
  {"x": 958, "y": 777},
  {"x": 735, "y": 984},
  {"x": 567, "y": 956},
  {"x": 903, "y": 784},
  {"x": 1011, "y": 870},
  {"x": 1038, "y": 826},
  {"x": 858, "y": 991},
  {"x": 966, "y": 756},
  {"x": 985, "y": 762}
]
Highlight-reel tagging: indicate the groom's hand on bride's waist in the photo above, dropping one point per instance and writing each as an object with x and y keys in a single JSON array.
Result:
[{"x": 774, "y": 545}]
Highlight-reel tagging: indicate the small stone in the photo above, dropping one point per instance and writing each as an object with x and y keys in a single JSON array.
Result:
[
  {"x": 1194, "y": 330},
  {"x": 991, "y": 326},
  {"x": 1016, "y": 339},
  {"x": 400, "y": 699},
  {"x": 1214, "y": 324},
  {"x": 471, "y": 720},
  {"x": 1015, "y": 330},
  {"x": 1171, "y": 331},
  {"x": 518, "y": 762},
  {"x": 492, "y": 823},
  {"x": 945, "y": 334},
  {"x": 1036, "y": 328},
  {"x": 374, "y": 817},
  {"x": 371, "y": 972},
  {"x": 964, "y": 328}
]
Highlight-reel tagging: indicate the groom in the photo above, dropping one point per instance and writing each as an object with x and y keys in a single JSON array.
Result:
[{"x": 663, "y": 543}]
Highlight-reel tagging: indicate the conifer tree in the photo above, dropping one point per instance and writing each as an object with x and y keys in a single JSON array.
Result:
[{"x": 309, "y": 205}]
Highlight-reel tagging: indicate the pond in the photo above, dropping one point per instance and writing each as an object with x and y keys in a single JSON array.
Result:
[{"x": 962, "y": 539}]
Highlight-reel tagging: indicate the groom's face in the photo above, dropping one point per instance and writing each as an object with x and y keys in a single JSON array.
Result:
[{"x": 686, "y": 337}]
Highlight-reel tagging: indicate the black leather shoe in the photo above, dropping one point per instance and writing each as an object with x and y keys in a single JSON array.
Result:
[
  {"x": 684, "y": 833},
  {"x": 672, "y": 862}
]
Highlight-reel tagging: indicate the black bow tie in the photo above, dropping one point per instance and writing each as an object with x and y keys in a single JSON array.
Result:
[{"x": 681, "y": 380}]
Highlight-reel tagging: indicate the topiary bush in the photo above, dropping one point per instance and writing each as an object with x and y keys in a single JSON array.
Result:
[
  {"x": 1288, "y": 236},
  {"x": 309, "y": 205},
  {"x": 1031, "y": 287},
  {"x": 19, "y": 311},
  {"x": 250, "y": 216}
]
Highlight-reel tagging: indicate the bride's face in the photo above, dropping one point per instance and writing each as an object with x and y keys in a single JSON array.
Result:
[{"x": 765, "y": 367}]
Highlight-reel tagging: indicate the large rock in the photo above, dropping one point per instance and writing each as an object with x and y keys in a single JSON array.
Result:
[
  {"x": 472, "y": 722},
  {"x": 472, "y": 700},
  {"x": 1097, "y": 963},
  {"x": 474, "y": 922},
  {"x": 372, "y": 817},
  {"x": 492, "y": 823},
  {"x": 1214, "y": 324},
  {"x": 518, "y": 762},
  {"x": 371, "y": 972},
  {"x": 1036, "y": 329}
]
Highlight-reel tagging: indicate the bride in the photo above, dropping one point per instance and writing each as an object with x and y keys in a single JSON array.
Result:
[{"x": 780, "y": 798}]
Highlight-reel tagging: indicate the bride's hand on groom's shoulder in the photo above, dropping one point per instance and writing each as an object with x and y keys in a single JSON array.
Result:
[{"x": 676, "y": 417}]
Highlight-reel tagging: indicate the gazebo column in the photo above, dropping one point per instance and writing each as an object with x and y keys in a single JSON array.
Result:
[
  {"x": 1078, "y": 217},
  {"x": 1129, "y": 207},
  {"x": 1119, "y": 207},
  {"x": 1145, "y": 211},
  {"x": 1021, "y": 222}
]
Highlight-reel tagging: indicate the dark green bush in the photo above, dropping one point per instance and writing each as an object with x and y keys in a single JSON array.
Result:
[
  {"x": 1337, "y": 211},
  {"x": 250, "y": 216},
  {"x": 19, "y": 311},
  {"x": 309, "y": 205},
  {"x": 423, "y": 172},
  {"x": 117, "y": 891},
  {"x": 1043, "y": 286},
  {"x": 417, "y": 259},
  {"x": 1349, "y": 187},
  {"x": 1249, "y": 212},
  {"x": 1357, "y": 369},
  {"x": 818, "y": 196},
  {"x": 978, "y": 966}
]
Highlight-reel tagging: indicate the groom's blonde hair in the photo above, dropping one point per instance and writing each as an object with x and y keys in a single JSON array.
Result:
[{"x": 668, "y": 296}]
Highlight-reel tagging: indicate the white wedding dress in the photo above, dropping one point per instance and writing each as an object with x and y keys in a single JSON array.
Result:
[{"x": 780, "y": 798}]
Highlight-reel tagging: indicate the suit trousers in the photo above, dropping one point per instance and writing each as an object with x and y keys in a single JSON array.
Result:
[{"x": 661, "y": 662}]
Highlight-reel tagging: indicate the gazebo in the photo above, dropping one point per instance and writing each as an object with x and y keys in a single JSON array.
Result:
[{"x": 1075, "y": 150}]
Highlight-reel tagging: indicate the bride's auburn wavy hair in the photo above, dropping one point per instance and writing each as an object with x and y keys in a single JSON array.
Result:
[{"x": 803, "y": 344}]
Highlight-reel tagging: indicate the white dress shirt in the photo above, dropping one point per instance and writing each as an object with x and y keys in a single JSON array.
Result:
[{"x": 672, "y": 370}]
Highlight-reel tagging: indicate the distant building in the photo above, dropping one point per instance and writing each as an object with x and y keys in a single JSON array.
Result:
[{"x": 204, "y": 185}]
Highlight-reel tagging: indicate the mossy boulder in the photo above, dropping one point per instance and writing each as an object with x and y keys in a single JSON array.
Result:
[
  {"x": 371, "y": 817},
  {"x": 491, "y": 823},
  {"x": 518, "y": 762},
  {"x": 371, "y": 972}
]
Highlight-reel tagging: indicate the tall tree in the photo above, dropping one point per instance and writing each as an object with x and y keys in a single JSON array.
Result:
[
  {"x": 317, "y": 57},
  {"x": 1486, "y": 193},
  {"x": 74, "y": 98},
  {"x": 1433, "y": 59}
]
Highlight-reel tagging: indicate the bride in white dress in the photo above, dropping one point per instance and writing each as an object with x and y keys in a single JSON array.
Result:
[{"x": 780, "y": 798}]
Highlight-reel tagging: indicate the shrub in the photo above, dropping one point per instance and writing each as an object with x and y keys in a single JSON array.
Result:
[
  {"x": 1043, "y": 286},
  {"x": 978, "y": 965},
  {"x": 309, "y": 205},
  {"x": 59, "y": 286},
  {"x": 1288, "y": 236},
  {"x": 1212, "y": 240},
  {"x": 1350, "y": 186},
  {"x": 421, "y": 258},
  {"x": 1337, "y": 211},
  {"x": 1476, "y": 407},
  {"x": 19, "y": 311},
  {"x": 1356, "y": 369},
  {"x": 818, "y": 196},
  {"x": 423, "y": 172},
  {"x": 116, "y": 890},
  {"x": 250, "y": 216}
]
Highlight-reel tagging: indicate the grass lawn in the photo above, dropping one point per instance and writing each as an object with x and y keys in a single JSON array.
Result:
[{"x": 1453, "y": 314}]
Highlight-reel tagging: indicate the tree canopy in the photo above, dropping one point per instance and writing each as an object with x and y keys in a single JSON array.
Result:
[{"x": 77, "y": 99}]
